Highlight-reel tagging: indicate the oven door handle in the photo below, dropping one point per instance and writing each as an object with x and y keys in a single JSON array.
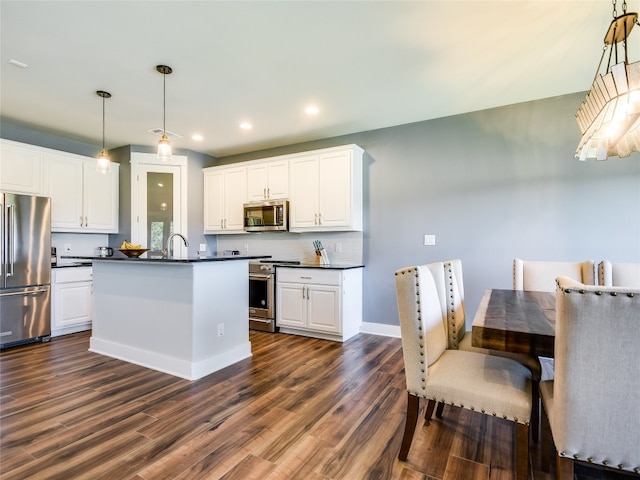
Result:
[{"x": 259, "y": 276}]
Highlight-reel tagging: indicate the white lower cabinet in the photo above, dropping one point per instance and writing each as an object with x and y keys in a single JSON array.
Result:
[
  {"x": 72, "y": 303},
  {"x": 319, "y": 302}
]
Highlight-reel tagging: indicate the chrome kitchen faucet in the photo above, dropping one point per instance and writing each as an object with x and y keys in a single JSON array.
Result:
[{"x": 168, "y": 252}]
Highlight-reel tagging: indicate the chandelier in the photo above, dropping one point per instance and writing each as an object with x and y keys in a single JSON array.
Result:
[{"x": 609, "y": 116}]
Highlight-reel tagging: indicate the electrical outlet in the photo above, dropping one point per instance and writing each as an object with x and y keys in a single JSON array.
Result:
[
  {"x": 221, "y": 329},
  {"x": 246, "y": 247},
  {"x": 429, "y": 239},
  {"x": 203, "y": 247},
  {"x": 338, "y": 247}
]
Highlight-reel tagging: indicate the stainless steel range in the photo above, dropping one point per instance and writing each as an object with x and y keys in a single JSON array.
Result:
[{"x": 262, "y": 294}]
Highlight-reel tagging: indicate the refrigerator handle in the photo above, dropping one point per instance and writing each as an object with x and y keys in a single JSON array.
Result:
[
  {"x": 2, "y": 228},
  {"x": 9, "y": 252}
]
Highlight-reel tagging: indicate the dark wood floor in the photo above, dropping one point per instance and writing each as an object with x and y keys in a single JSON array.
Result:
[{"x": 300, "y": 408}]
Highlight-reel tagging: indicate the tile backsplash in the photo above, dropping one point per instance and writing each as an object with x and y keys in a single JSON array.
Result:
[
  {"x": 83, "y": 244},
  {"x": 297, "y": 246}
]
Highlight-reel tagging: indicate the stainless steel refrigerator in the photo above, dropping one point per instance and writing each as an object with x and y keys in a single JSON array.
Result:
[{"x": 25, "y": 269}]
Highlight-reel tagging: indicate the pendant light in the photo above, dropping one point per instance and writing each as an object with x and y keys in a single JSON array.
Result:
[
  {"x": 164, "y": 146},
  {"x": 609, "y": 117},
  {"x": 103, "y": 164}
]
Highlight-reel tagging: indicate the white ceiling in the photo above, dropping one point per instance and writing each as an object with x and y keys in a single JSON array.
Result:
[{"x": 365, "y": 64}]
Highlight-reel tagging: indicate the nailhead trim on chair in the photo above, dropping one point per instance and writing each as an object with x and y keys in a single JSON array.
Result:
[
  {"x": 604, "y": 462},
  {"x": 613, "y": 294},
  {"x": 451, "y": 302}
]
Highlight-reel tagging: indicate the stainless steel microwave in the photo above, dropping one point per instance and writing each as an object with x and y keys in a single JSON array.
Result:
[{"x": 267, "y": 216}]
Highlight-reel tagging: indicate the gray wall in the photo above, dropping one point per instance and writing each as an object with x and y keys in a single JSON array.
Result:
[{"x": 491, "y": 185}]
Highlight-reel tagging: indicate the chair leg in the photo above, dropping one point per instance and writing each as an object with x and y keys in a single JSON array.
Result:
[
  {"x": 413, "y": 407},
  {"x": 439, "y": 409},
  {"x": 429, "y": 411},
  {"x": 535, "y": 411},
  {"x": 546, "y": 445},
  {"x": 522, "y": 451},
  {"x": 564, "y": 468}
]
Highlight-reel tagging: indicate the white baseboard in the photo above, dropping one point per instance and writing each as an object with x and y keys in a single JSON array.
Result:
[
  {"x": 381, "y": 329},
  {"x": 171, "y": 365}
]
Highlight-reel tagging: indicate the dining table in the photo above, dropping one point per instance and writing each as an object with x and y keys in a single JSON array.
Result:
[{"x": 516, "y": 321}]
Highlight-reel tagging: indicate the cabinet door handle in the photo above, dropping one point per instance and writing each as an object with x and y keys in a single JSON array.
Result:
[
  {"x": 268, "y": 192},
  {"x": 221, "y": 224},
  {"x": 315, "y": 220},
  {"x": 81, "y": 225},
  {"x": 319, "y": 219},
  {"x": 305, "y": 277},
  {"x": 86, "y": 222},
  {"x": 264, "y": 193}
]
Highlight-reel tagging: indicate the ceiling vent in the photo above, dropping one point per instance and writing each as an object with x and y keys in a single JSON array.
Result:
[{"x": 159, "y": 132}]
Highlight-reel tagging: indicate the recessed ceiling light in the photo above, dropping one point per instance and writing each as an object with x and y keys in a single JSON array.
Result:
[
  {"x": 246, "y": 126},
  {"x": 18, "y": 63},
  {"x": 197, "y": 137},
  {"x": 311, "y": 110}
]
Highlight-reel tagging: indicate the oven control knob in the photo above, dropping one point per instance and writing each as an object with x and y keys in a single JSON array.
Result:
[{"x": 264, "y": 267}]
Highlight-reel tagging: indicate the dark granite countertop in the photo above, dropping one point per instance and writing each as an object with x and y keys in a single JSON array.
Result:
[
  {"x": 322, "y": 267},
  {"x": 72, "y": 264},
  {"x": 122, "y": 258}
]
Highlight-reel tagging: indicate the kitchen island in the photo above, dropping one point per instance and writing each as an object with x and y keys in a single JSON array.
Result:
[{"x": 186, "y": 317}]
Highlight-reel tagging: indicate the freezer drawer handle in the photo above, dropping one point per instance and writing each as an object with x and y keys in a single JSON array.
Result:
[{"x": 24, "y": 294}]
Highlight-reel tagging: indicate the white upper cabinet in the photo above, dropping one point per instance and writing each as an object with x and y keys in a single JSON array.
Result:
[
  {"x": 100, "y": 198},
  {"x": 20, "y": 168},
  {"x": 268, "y": 180},
  {"x": 224, "y": 197},
  {"x": 82, "y": 199},
  {"x": 326, "y": 190}
]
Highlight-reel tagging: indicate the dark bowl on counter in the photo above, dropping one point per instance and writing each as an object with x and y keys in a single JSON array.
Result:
[{"x": 133, "y": 253}]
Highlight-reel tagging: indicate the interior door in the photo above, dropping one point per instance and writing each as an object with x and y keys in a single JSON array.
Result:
[{"x": 159, "y": 201}]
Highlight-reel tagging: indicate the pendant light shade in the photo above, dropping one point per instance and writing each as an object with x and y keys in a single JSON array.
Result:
[
  {"x": 164, "y": 146},
  {"x": 103, "y": 164},
  {"x": 609, "y": 117}
]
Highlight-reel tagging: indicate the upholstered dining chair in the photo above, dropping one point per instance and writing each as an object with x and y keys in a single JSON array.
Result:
[
  {"x": 449, "y": 279},
  {"x": 483, "y": 383},
  {"x": 541, "y": 276},
  {"x": 593, "y": 405},
  {"x": 619, "y": 274}
]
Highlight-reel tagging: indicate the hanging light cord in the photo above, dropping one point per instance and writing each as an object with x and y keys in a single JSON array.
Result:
[
  {"x": 103, "y": 117},
  {"x": 164, "y": 103}
]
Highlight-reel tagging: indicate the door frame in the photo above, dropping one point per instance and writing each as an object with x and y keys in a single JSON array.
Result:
[{"x": 141, "y": 162}]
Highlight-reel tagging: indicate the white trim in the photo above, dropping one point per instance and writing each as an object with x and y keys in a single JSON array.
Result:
[
  {"x": 151, "y": 159},
  {"x": 381, "y": 329},
  {"x": 171, "y": 365}
]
